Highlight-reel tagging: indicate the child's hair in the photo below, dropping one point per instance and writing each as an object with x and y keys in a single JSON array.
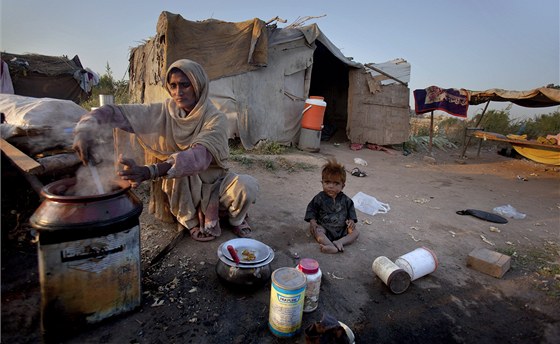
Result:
[{"x": 334, "y": 171}]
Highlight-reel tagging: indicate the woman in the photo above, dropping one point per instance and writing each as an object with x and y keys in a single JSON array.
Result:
[{"x": 186, "y": 137}]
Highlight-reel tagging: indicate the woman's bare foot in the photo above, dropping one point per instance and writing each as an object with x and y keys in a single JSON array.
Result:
[{"x": 328, "y": 249}]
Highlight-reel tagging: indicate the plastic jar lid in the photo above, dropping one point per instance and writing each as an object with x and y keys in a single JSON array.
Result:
[
  {"x": 317, "y": 102},
  {"x": 309, "y": 265}
]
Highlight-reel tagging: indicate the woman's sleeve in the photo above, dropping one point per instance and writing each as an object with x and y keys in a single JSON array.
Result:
[
  {"x": 105, "y": 116},
  {"x": 189, "y": 162}
]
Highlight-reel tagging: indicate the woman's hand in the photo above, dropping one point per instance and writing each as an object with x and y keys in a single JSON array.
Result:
[
  {"x": 83, "y": 145},
  {"x": 135, "y": 174}
]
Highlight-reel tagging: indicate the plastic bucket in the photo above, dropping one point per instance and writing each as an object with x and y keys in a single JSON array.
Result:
[
  {"x": 313, "y": 113},
  {"x": 309, "y": 140},
  {"x": 391, "y": 274},
  {"x": 418, "y": 263}
]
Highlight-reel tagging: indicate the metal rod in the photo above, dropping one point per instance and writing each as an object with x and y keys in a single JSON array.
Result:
[{"x": 384, "y": 73}]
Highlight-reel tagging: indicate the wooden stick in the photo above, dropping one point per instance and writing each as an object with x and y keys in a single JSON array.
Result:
[
  {"x": 431, "y": 130},
  {"x": 167, "y": 248},
  {"x": 20, "y": 159},
  {"x": 476, "y": 126},
  {"x": 58, "y": 161}
]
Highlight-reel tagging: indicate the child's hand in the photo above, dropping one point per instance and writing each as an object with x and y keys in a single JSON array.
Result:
[
  {"x": 313, "y": 227},
  {"x": 351, "y": 225}
]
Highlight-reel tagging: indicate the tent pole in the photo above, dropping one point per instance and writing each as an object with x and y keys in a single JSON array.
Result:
[
  {"x": 482, "y": 115},
  {"x": 431, "y": 130},
  {"x": 476, "y": 126}
]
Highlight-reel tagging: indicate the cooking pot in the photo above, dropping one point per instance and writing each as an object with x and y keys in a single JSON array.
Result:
[
  {"x": 246, "y": 273},
  {"x": 89, "y": 258}
]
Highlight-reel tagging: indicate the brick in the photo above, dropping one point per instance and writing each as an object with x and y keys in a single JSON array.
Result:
[{"x": 489, "y": 262}]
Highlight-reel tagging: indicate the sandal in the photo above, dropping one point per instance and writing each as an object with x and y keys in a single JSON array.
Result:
[
  {"x": 197, "y": 235},
  {"x": 243, "y": 230},
  {"x": 357, "y": 173}
]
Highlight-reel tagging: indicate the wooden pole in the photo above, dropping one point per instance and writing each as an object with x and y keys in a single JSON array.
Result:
[
  {"x": 431, "y": 130},
  {"x": 476, "y": 126}
]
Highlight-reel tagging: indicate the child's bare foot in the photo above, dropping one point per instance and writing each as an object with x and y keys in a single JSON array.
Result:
[
  {"x": 338, "y": 246},
  {"x": 328, "y": 249}
]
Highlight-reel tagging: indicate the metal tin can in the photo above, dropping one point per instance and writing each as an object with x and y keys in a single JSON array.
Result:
[
  {"x": 287, "y": 295},
  {"x": 391, "y": 274}
]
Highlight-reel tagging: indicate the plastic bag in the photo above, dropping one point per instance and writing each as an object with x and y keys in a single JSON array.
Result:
[
  {"x": 360, "y": 161},
  {"x": 369, "y": 204},
  {"x": 509, "y": 211}
]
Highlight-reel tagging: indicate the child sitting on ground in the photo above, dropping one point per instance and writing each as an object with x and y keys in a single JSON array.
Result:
[{"x": 331, "y": 214}]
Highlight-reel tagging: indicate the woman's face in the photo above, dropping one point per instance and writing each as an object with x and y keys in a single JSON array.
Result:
[{"x": 181, "y": 90}]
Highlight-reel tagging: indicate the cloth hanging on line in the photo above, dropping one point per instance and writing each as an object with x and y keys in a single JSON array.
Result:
[{"x": 453, "y": 101}]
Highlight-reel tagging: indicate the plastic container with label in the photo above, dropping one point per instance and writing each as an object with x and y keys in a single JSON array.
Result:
[{"x": 310, "y": 267}]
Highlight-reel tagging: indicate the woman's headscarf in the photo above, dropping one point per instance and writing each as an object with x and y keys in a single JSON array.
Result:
[{"x": 164, "y": 129}]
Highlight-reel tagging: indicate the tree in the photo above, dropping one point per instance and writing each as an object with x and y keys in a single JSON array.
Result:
[{"x": 108, "y": 85}]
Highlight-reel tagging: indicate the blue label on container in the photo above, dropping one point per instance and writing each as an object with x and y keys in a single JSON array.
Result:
[{"x": 289, "y": 299}]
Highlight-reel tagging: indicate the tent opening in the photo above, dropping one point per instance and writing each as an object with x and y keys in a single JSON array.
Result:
[{"x": 329, "y": 79}]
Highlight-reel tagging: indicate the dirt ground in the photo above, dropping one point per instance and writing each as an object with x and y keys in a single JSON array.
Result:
[{"x": 184, "y": 301}]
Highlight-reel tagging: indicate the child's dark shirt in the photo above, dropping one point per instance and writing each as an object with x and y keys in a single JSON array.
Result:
[{"x": 331, "y": 214}]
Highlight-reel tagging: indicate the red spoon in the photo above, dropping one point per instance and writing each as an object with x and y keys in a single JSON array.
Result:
[{"x": 233, "y": 253}]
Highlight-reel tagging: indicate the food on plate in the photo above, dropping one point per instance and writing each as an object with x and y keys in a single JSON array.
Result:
[{"x": 248, "y": 255}]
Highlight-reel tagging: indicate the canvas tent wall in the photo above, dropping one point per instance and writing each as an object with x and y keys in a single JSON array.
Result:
[
  {"x": 42, "y": 76},
  {"x": 261, "y": 76},
  {"x": 538, "y": 97}
]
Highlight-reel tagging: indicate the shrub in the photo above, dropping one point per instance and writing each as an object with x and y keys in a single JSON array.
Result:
[
  {"x": 542, "y": 125},
  {"x": 496, "y": 121}
]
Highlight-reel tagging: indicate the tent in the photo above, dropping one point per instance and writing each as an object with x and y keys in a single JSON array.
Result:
[
  {"x": 42, "y": 76},
  {"x": 456, "y": 101},
  {"x": 535, "y": 98},
  {"x": 261, "y": 76}
]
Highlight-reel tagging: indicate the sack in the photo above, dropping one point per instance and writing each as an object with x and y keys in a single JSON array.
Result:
[{"x": 369, "y": 204}]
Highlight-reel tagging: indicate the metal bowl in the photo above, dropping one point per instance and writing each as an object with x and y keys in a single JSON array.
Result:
[{"x": 243, "y": 275}]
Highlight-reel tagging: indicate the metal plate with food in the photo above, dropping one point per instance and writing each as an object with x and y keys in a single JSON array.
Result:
[{"x": 249, "y": 251}]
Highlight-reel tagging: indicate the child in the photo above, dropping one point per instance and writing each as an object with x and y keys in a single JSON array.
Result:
[{"x": 331, "y": 214}]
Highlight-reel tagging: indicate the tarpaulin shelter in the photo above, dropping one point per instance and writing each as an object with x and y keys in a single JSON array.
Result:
[
  {"x": 42, "y": 76},
  {"x": 456, "y": 101},
  {"x": 535, "y": 98},
  {"x": 538, "y": 97},
  {"x": 261, "y": 76}
]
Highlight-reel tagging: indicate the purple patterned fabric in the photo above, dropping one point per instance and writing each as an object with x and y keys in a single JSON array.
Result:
[{"x": 451, "y": 100}]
